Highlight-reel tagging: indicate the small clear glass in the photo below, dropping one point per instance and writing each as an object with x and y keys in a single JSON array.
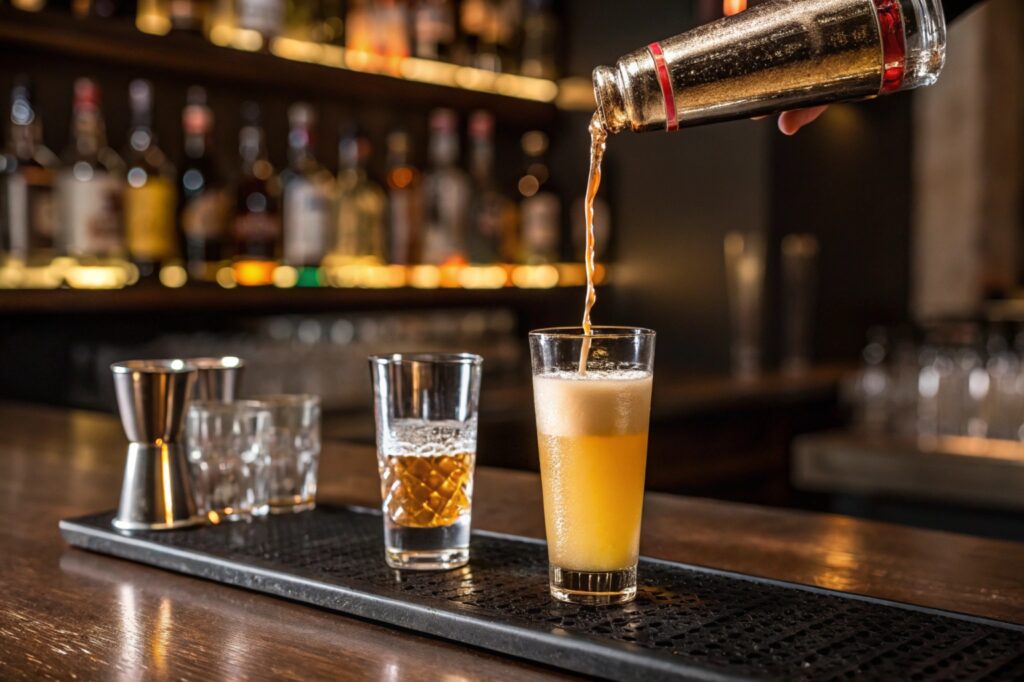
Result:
[
  {"x": 592, "y": 434},
  {"x": 799, "y": 267},
  {"x": 294, "y": 443},
  {"x": 426, "y": 411},
  {"x": 230, "y": 459}
]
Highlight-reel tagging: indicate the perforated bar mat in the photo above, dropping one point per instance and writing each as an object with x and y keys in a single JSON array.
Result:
[{"x": 687, "y": 622}]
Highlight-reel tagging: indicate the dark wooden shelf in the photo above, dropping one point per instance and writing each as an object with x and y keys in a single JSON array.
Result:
[
  {"x": 159, "y": 300},
  {"x": 118, "y": 42}
]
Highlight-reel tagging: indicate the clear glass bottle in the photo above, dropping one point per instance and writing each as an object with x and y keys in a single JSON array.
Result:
[
  {"x": 205, "y": 206},
  {"x": 307, "y": 195},
  {"x": 540, "y": 209},
  {"x": 264, "y": 18},
  {"x": 773, "y": 57},
  {"x": 28, "y": 222},
  {"x": 256, "y": 226},
  {"x": 361, "y": 203},
  {"x": 149, "y": 196},
  {"x": 445, "y": 194},
  {"x": 405, "y": 214},
  {"x": 492, "y": 214},
  {"x": 90, "y": 184}
]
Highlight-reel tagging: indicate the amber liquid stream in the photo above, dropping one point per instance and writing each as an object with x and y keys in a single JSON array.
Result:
[{"x": 598, "y": 137}]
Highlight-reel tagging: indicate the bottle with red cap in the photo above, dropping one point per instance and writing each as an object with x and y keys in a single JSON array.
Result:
[{"x": 90, "y": 185}]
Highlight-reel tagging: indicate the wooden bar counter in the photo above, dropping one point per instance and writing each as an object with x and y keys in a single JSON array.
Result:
[{"x": 66, "y": 613}]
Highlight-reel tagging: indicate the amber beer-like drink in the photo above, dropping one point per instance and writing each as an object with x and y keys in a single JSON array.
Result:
[
  {"x": 778, "y": 55},
  {"x": 425, "y": 406},
  {"x": 592, "y": 434}
]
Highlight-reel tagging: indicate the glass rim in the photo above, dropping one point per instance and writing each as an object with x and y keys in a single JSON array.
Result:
[
  {"x": 162, "y": 366},
  {"x": 427, "y": 358},
  {"x": 214, "y": 362},
  {"x": 283, "y": 399},
  {"x": 233, "y": 406},
  {"x": 597, "y": 332}
]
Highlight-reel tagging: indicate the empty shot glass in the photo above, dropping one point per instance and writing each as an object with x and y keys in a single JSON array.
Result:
[
  {"x": 425, "y": 406},
  {"x": 294, "y": 443},
  {"x": 230, "y": 459}
]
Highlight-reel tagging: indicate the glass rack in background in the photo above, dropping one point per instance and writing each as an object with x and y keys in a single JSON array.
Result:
[{"x": 953, "y": 379}]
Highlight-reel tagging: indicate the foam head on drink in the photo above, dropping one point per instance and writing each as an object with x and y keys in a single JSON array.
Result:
[{"x": 592, "y": 432}]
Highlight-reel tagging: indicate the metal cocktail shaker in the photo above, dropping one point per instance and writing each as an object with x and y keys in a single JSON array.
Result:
[
  {"x": 152, "y": 397},
  {"x": 778, "y": 55}
]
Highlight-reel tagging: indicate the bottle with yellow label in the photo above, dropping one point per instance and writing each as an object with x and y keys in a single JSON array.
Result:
[{"x": 150, "y": 196}]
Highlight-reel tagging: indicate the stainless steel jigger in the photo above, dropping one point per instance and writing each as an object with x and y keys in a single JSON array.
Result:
[
  {"x": 152, "y": 396},
  {"x": 218, "y": 379}
]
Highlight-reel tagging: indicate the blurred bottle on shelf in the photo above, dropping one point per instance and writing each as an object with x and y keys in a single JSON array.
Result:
[
  {"x": 445, "y": 194},
  {"x": 205, "y": 207},
  {"x": 149, "y": 197},
  {"x": 90, "y": 183},
  {"x": 29, "y": 5},
  {"x": 540, "y": 210},
  {"x": 360, "y": 29},
  {"x": 329, "y": 23},
  {"x": 100, "y": 9},
  {"x": 507, "y": 23},
  {"x": 262, "y": 18},
  {"x": 393, "y": 25},
  {"x": 361, "y": 203},
  {"x": 404, "y": 201},
  {"x": 28, "y": 220},
  {"x": 478, "y": 20},
  {"x": 492, "y": 214},
  {"x": 300, "y": 19},
  {"x": 190, "y": 16},
  {"x": 307, "y": 195},
  {"x": 540, "y": 40},
  {"x": 153, "y": 16},
  {"x": 434, "y": 29},
  {"x": 256, "y": 228}
]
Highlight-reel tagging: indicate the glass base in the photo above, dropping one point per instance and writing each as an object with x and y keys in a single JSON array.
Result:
[
  {"x": 291, "y": 505},
  {"x": 427, "y": 549},
  {"x": 592, "y": 588}
]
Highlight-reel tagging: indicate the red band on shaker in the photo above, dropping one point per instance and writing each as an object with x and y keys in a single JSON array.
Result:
[
  {"x": 894, "y": 44},
  {"x": 666, "y": 86}
]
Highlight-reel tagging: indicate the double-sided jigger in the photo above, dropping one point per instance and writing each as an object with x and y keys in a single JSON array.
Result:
[
  {"x": 153, "y": 396},
  {"x": 218, "y": 379}
]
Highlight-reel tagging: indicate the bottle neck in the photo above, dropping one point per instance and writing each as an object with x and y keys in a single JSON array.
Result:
[
  {"x": 196, "y": 144},
  {"x": 87, "y": 132},
  {"x": 251, "y": 148},
  {"x": 300, "y": 152},
  {"x": 481, "y": 161},
  {"x": 444, "y": 149}
]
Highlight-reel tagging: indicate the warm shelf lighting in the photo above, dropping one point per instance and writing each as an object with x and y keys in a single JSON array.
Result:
[
  {"x": 173, "y": 276},
  {"x": 408, "y": 68},
  {"x": 106, "y": 276}
]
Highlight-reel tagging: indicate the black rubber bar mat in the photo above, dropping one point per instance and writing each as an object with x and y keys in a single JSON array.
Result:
[{"x": 687, "y": 622}]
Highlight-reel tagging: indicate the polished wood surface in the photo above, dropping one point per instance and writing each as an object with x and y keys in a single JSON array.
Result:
[{"x": 66, "y": 613}]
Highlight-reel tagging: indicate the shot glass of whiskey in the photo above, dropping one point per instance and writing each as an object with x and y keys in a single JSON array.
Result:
[{"x": 425, "y": 406}]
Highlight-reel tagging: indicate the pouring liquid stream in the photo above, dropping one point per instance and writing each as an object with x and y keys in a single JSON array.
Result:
[{"x": 598, "y": 137}]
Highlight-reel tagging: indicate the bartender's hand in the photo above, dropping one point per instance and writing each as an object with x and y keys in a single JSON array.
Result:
[{"x": 792, "y": 121}]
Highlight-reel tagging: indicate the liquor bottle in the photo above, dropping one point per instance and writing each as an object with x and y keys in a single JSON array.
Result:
[
  {"x": 540, "y": 40},
  {"x": 205, "y": 208},
  {"x": 153, "y": 16},
  {"x": 257, "y": 218},
  {"x": 90, "y": 184},
  {"x": 392, "y": 22},
  {"x": 190, "y": 16},
  {"x": 361, "y": 203},
  {"x": 434, "y": 29},
  {"x": 300, "y": 17},
  {"x": 149, "y": 197},
  {"x": 360, "y": 31},
  {"x": 492, "y": 214},
  {"x": 540, "y": 209},
  {"x": 405, "y": 213},
  {"x": 28, "y": 221},
  {"x": 307, "y": 195},
  {"x": 478, "y": 23},
  {"x": 264, "y": 18},
  {"x": 778, "y": 55},
  {"x": 445, "y": 194},
  {"x": 329, "y": 25}
]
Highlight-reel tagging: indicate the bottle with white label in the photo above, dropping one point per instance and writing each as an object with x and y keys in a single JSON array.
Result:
[
  {"x": 307, "y": 194},
  {"x": 446, "y": 194},
  {"x": 27, "y": 220},
  {"x": 90, "y": 185}
]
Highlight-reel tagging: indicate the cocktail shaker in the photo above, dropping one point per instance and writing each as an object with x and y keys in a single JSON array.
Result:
[
  {"x": 778, "y": 55},
  {"x": 152, "y": 397}
]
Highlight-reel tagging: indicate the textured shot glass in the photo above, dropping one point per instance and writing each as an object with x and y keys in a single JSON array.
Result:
[
  {"x": 426, "y": 411},
  {"x": 230, "y": 459},
  {"x": 294, "y": 444}
]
